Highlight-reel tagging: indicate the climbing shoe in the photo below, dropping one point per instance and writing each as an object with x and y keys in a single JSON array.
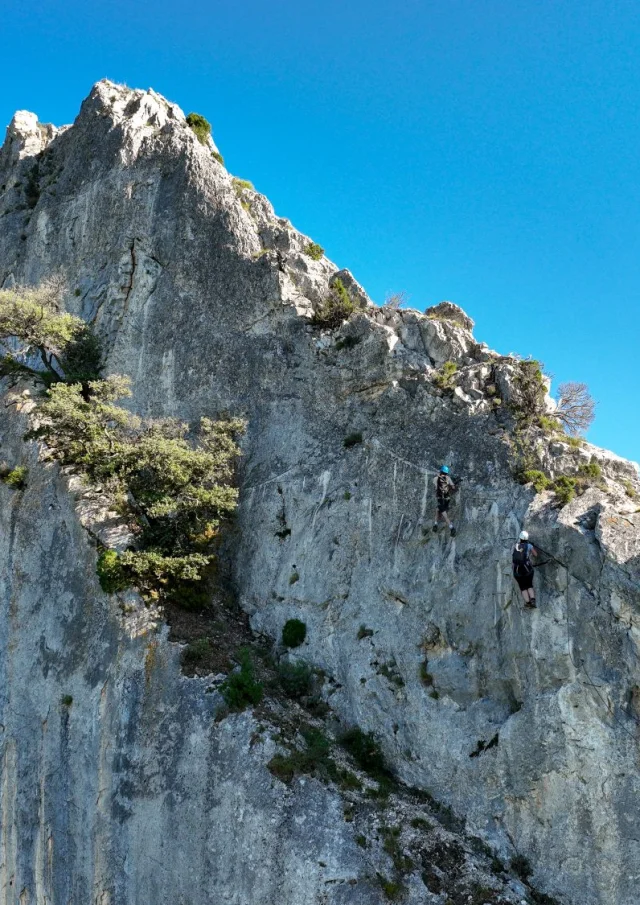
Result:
[
  {"x": 453, "y": 532},
  {"x": 531, "y": 605}
]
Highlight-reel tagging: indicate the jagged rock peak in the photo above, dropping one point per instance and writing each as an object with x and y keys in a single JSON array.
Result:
[{"x": 451, "y": 312}]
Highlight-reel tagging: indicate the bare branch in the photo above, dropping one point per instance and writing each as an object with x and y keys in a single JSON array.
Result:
[
  {"x": 395, "y": 300},
  {"x": 576, "y": 407}
]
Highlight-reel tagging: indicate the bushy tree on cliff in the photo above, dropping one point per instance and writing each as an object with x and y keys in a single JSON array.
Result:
[
  {"x": 175, "y": 489},
  {"x": 38, "y": 337}
]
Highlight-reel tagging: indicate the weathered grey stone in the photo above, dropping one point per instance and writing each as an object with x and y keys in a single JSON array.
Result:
[{"x": 173, "y": 272}]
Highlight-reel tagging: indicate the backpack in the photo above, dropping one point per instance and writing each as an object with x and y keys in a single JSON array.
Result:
[
  {"x": 520, "y": 558},
  {"x": 443, "y": 488}
]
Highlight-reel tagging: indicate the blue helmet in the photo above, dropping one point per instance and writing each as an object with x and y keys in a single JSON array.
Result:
[{"x": 445, "y": 469}]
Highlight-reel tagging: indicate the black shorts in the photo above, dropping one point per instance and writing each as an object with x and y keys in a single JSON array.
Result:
[
  {"x": 525, "y": 581},
  {"x": 443, "y": 505}
]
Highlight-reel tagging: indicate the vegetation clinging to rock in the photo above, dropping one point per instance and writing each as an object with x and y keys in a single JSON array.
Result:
[
  {"x": 335, "y": 308},
  {"x": 443, "y": 378},
  {"x": 14, "y": 477},
  {"x": 314, "y": 250},
  {"x": 176, "y": 490},
  {"x": 294, "y": 632},
  {"x": 200, "y": 127},
  {"x": 40, "y": 339}
]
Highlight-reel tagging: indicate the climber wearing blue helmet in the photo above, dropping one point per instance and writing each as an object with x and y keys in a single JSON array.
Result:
[{"x": 445, "y": 487}]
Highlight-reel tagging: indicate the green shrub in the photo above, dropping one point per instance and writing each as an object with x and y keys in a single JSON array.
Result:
[
  {"x": 335, "y": 308},
  {"x": 629, "y": 490},
  {"x": 296, "y": 679},
  {"x": 32, "y": 322},
  {"x": 352, "y": 440},
  {"x": 313, "y": 760},
  {"x": 111, "y": 574},
  {"x": 196, "y": 651},
  {"x": 218, "y": 156},
  {"x": 294, "y": 577},
  {"x": 240, "y": 185},
  {"x": 565, "y": 489},
  {"x": 590, "y": 471},
  {"x": 521, "y": 866},
  {"x": 364, "y": 749},
  {"x": 425, "y": 676},
  {"x": 15, "y": 477},
  {"x": 241, "y": 689},
  {"x": 393, "y": 889},
  {"x": 538, "y": 478},
  {"x": 529, "y": 391},
  {"x": 179, "y": 490},
  {"x": 364, "y": 632},
  {"x": 574, "y": 442},
  {"x": 314, "y": 250},
  {"x": 199, "y": 126},
  {"x": 66, "y": 700},
  {"x": 443, "y": 378},
  {"x": 293, "y": 633},
  {"x": 549, "y": 425}
]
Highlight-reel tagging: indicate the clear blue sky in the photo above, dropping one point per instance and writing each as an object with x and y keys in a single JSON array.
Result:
[{"x": 483, "y": 151}]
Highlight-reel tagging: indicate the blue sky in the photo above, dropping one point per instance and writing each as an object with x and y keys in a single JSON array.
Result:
[{"x": 482, "y": 151}]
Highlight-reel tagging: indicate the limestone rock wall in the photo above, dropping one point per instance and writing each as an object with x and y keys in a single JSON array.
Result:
[{"x": 526, "y": 723}]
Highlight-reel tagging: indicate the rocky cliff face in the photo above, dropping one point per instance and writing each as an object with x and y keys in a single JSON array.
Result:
[{"x": 525, "y": 723}]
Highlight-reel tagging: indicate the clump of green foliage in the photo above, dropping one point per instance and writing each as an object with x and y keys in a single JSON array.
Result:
[
  {"x": 528, "y": 404},
  {"x": 521, "y": 866},
  {"x": 14, "y": 477},
  {"x": 66, "y": 700},
  {"x": 241, "y": 689},
  {"x": 565, "y": 489},
  {"x": 629, "y": 490},
  {"x": 352, "y": 440},
  {"x": 314, "y": 759},
  {"x": 314, "y": 250},
  {"x": 218, "y": 156},
  {"x": 294, "y": 632},
  {"x": 175, "y": 485},
  {"x": 536, "y": 477},
  {"x": 335, "y": 308},
  {"x": 393, "y": 889},
  {"x": 366, "y": 752},
  {"x": 296, "y": 679},
  {"x": 196, "y": 651},
  {"x": 592, "y": 471},
  {"x": 179, "y": 490},
  {"x": 111, "y": 574},
  {"x": 443, "y": 378},
  {"x": 33, "y": 327},
  {"x": 199, "y": 126},
  {"x": 548, "y": 424},
  {"x": 241, "y": 185}
]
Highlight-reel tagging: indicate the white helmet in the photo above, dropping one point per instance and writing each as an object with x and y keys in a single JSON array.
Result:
[{"x": 524, "y": 535}]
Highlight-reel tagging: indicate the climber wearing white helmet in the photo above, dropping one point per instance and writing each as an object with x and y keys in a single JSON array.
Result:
[{"x": 523, "y": 569}]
